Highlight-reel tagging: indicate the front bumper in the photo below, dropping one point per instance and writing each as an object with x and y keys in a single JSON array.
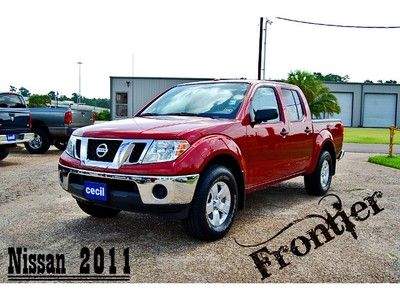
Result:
[
  {"x": 131, "y": 192},
  {"x": 19, "y": 138}
]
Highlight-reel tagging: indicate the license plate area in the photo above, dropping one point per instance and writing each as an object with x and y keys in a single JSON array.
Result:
[
  {"x": 11, "y": 138},
  {"x": 95, "y": 191}
]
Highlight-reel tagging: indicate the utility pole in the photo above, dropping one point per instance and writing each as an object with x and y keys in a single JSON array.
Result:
[
  {"x": 80, "y": 97},
  {"x": 260, "y": 48},
  {"x": 267, "y": 21}
]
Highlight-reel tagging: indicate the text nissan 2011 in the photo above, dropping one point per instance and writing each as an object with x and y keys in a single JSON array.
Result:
[{"x": 196, "y": 150}]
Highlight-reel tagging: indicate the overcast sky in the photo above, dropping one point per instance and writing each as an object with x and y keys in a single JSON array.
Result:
[{"x": 42, "y": 41}]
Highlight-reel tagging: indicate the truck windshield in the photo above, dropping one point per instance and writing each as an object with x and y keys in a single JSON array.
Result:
[
  {"x": 214, "y": 100},
  {"x": 10, "y": 101}
]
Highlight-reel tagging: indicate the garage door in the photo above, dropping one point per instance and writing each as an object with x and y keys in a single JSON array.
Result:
[
  {"x": 379, "y": 110},
  {"x": 345, "y": 101}
]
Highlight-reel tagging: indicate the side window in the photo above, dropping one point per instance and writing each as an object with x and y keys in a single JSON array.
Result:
[
  {"x": 11, "y": 100},
  {"x": 264, "y": 98},
  {"x": 293, "y": 105}
]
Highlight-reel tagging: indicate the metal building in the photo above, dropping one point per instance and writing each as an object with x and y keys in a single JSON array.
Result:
[{"x": 362, "y": 104}]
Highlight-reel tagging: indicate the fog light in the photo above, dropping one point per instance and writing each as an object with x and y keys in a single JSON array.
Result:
[{"x": 159, "y": 191}]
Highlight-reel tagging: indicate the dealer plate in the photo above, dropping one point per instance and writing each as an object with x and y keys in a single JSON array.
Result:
[
  {"x": 95, "y": 191},
  {"x": 11, "y": 138}
]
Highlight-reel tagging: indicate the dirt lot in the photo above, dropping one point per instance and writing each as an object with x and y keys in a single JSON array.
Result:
[{"x": 36, "y": 213}]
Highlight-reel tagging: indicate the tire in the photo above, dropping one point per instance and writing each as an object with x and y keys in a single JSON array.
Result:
[
  {"x": 319, "y": 182},
  {"x": 4, "y": 153},
  {"x": 60, "y": 145},
  {"x": 40, "y": 143},
  {"x": 97, "y": 211},
  {"x": 216, "y": 224}
]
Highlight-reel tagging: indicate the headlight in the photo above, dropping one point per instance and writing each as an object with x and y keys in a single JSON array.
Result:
[
  {"x": 165, "y": 150},
  {"x": 71, "y": 146}
]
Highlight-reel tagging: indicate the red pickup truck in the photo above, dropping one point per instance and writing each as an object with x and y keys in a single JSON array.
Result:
[{"x": 195, "y": 151}]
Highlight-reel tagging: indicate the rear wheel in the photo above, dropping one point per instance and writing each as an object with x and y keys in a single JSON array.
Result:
[
  {"x": 214, "y": 205},
  {"x": 97, "y": 211},
  {"x": 40, "y": 142},
  {"x": 4, "y": 153},
  {"x": 319, "y": 182}
]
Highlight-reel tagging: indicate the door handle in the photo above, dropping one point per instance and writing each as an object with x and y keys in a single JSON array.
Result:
[
  {"x": 284, "y": 132},
  {"x": 307, "y": 130}
]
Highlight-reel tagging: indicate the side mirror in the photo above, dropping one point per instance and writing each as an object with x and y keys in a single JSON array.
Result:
[{"x": 264, "y": 115}]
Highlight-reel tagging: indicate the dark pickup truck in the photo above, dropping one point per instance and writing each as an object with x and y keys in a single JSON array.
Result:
[
  {"x": 15, "y": 121},
  {"x": 54, "y": 125}
]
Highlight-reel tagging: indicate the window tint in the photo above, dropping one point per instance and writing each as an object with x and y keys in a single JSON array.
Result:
[
  {"x": 264, "y": 98},
  {"x": 11, "y": 100},
  {"x": 293, "y": 105}
]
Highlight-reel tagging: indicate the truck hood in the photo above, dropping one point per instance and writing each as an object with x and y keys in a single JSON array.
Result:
[{"x": 160, "y": 127}]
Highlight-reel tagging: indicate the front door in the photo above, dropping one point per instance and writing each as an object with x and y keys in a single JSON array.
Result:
[{"x": 265, "y": 152}]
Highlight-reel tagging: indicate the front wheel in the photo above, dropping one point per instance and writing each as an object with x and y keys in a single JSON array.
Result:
[
  {"x": 319, "y": 182},
  {"x": 97, "y": 211},
  {"x": 214, "y": 205}
]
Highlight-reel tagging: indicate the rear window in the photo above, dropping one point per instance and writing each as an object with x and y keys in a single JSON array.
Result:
[
  {"x": 11, "y": 101},
  {"x": 293, "y": 105}
]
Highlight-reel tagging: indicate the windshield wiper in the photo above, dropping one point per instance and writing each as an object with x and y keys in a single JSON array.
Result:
[
  {"x": 149, "y": 114},
  {"x": 189, "y": 114}
]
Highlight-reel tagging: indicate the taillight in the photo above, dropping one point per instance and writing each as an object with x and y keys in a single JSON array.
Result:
[
  {"x": 68, "y": 118},
  {"x": 30, "y": 120}
]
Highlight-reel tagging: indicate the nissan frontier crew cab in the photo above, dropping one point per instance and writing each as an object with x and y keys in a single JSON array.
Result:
[{"x": 196, "y": 150}]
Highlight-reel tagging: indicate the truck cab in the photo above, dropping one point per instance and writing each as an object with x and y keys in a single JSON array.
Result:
[{"x": 15, "y": 122}]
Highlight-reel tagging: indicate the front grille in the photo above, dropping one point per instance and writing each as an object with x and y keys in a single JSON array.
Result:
[
  {"x": 136, "y": 152},
  {"x": 112, "y": 146},
  {"x": 78, "y": 148}
]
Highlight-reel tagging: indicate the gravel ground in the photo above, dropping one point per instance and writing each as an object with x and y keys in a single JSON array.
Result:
[{"x": 36, "y": 213}]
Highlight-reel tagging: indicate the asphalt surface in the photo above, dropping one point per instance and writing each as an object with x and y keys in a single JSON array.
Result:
[
  {"x": 370, "y": 148},
  {"x": 37, "y": 214}
]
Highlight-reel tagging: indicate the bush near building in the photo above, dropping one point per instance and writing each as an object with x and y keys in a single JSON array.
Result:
[{"x": 104, "y": 115}]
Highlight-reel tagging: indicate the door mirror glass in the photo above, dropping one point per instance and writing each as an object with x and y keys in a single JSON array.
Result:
[{"x": 264, "y": 115}]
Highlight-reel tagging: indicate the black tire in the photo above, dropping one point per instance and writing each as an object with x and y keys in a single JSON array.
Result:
[
  {"x": 313, "y": 183},
  {"x": 40, "y": 143},
  {"x": 4, "y": 153},
  {"x": 198, "y": 223},
  {"x": 97, "y": 211},
  {"x": 60, "y": 145}
]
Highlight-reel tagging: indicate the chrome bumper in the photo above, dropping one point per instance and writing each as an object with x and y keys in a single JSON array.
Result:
[
  {"x": 20, "y": 138},
  {"x": 180, "y": 188}
]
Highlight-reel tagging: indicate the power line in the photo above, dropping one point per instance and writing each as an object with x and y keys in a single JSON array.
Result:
[{"x": 338, "y": 25}]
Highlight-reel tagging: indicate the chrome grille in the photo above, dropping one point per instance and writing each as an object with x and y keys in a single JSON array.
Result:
[{"x": 112, "y": 146}]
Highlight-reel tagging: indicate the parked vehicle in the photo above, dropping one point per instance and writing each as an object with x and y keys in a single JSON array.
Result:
[
  {"x": 196, "y": 151},
  {"x": 54, "y": 125},
  {"x": 15, "y": 122}
]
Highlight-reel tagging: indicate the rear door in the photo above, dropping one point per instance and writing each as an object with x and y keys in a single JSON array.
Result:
[
  {"x": 14, "y": 117},
  {"x": 299, "y": 139}
]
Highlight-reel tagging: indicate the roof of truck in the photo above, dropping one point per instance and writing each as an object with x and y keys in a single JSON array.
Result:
[{"x": 249, "y": 81}]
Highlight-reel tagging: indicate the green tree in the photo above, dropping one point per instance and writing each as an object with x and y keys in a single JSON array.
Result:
[
  {"x": 13, "y": 89},
  {"x": 319, "y": 97},
  {"x": 332, "y": 77},
  {"x": 39, "y": 100},
  {"x": 368, "y": 81},
  {"x": 24, "y": 92},
  {"x": 75, "y": 97},
  {"x": 391, "y": 81},
  {"x": 52, "y": 95}
]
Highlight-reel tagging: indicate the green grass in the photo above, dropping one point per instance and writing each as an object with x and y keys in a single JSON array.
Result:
[
  {"x": 384, "y": 160},
  {"x": 369, "y": 136}
]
